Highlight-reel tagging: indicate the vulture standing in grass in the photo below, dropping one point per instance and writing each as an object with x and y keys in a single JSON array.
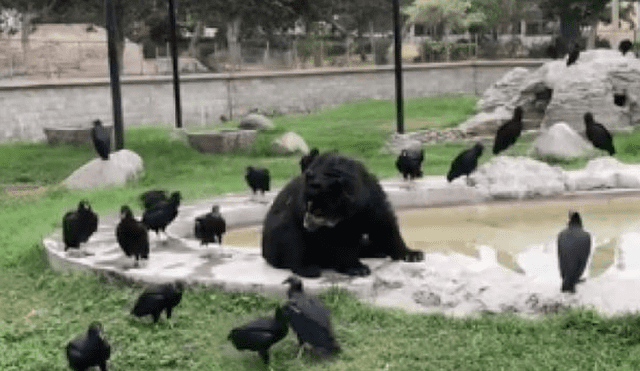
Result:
[
  {"x": 309, "y": 319},
  {"x": 624, "y": 46},
  {"x": 509, "y": 132},
  {"x": 132, "y": 236},
  {"x": 152, "y": 197},
  {"x": 78, "y": 225},
  {"x": 210, "y": 227},
  {"x": 260, "y": 334},
  {"x": 598, "y": 135},
  {"x": 307, "y": 159},
  {"x": 156, "y": 298},
  {"x": 574, "y": 53},
  {"x": 258, "y": 179},
  {"x": 101, "y": 139},
  {"x": 465, "y": 163},
  {"x": 409, "y": 164},
  {"x": 162, "y": 213},
  {"x": 89, "y": 350},
  {"x": 574, "y": 247}
]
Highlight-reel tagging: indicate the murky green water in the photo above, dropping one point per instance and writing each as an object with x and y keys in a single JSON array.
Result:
[{"x": 508, "y": 227}]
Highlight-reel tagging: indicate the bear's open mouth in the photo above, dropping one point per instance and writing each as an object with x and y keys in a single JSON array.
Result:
[{"x": 312, "y": 222}]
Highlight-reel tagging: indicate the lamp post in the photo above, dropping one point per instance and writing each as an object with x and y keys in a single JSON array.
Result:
[
  {"x": 114, "y": 73},
  {"x": 397, "y": 37},
  {"x": 174, "y": 58}
]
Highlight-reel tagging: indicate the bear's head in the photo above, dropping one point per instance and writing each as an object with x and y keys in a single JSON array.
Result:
[{"x": 329, "y": 194}]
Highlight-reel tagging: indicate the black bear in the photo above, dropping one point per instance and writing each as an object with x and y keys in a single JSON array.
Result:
[{"x": 319, "y": 219}]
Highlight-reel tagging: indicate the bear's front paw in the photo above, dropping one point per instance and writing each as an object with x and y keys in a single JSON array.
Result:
[
  {"x": 413, "y": 256},
  {"x": 310, "y": 271}
]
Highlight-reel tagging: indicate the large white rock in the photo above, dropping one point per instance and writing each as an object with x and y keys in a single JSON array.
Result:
[
  {"x": 503, "y": 91},
  {"x": 487, "y": 123},
  {"x": 123, "y": 166},
  {"x": 289, "y": 143},
  {"x": 518, "y": 178},
  {"x": 587, "y": 85},
  {"x": 561, "y": 142},
  {"x": 602, "y": 173}
]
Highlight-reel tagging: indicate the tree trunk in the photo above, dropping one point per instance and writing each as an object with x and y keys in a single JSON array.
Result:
[
  {"x": 24, "y": 39},
  {"x": 569, "y": 28},
  {"x": 193, "y": 45},
  {"x": 591, "y": 41},
  {"x": 233, "y": 34}
]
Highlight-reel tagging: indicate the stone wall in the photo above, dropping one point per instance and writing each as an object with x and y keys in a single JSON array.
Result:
[{"x": 27, "y": 108}]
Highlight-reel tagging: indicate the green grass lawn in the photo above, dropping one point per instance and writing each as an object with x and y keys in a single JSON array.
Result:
[{"x": 40, "y": 310}]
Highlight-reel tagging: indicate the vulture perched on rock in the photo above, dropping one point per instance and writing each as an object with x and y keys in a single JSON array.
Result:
[
  {"x": 465, "y": 163},
  {"x": 101, "y": 139},
  {"x": 598, "y": 135},
  {"x": 509, "y": 132}
]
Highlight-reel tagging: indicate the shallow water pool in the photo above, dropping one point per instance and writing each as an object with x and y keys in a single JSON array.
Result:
[{"x": 509, "y": 227}]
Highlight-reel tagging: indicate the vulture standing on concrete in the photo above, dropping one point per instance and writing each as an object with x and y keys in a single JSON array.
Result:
[
  {"x": 465, "y": 163},
  {"x": 152, "y": 197},
  {"x": 89, "y": 350},
  {"x": 162, "y": 213},
  {"x": 78, "y": 225},
  {"x": 260, "y": 334},
  {"x": 508, "y": 132},
  {"x": 132, "y": 236},
  {"x": 307, "y": 159},
  {"x": 574, "y": 53},
  {"x": 210, "y": 227},
  {"x": 574, "y": 247},
  {"x": 156, "y": 298},
  {"x": 258, "y": 179},
  {"x": 101, "y": 139},
  {"x": 409, "y": 164},
  {"x": 598, "y": 135},
  {"x": 624, "y": 46},
  {"x": 309, "y": 319}
]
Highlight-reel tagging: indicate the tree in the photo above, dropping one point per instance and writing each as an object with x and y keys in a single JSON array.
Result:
[
  {"x": 442, "y": 14},
  {"x": 573, "y": 14}
]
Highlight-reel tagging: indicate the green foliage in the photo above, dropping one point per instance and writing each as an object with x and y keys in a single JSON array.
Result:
[{"x": 381, "y": 56}]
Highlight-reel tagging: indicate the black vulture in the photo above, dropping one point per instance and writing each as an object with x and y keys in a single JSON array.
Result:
[
  {"x": 132, "y": 235},
  {"x": 309, "y": 318},
  {"x": 508, "y": 132},
  {"x": 101, "y": 139},
  {"x": 624, "y": 46},
  {"x": 153, "y": 196},
  {"x": 210, "y": 227},
  {"x": 162, "y": 213},
  {"x": 574, "y": 247},
  {"x": 78, "y": 225},
  {"x": 260, "y": 334},
  {"x": 258, "y": 179},
  {"x": 409, "y": 163},
  {"x": 89, "y": 350},
  {"x": 598, "y": 135},
  {"x": 574, "y": 53},
  {"x": 306, "y": 160},
  {"x": 156, "y": 298},
  {"x": 465, "y": 163}
]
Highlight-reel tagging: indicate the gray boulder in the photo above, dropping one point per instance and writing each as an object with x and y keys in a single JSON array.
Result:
[
  {"x": 561, "y": 142},
  {"x": 503, "y": 92},
  {"x": 518, "y": 178},
  {"x": 289, "y": 143},
  {"x": 487, "y": 123},
  {"x": 123, "y": 166},
  {"x": 602, "y": 173},
  {"x": 255, "y": 121},
  {"x": 398, "y": 142}
]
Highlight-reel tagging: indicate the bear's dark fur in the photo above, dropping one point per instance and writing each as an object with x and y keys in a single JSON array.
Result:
[{"x": 319, "y": 219}]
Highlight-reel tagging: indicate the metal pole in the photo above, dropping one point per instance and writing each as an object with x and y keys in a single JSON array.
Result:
[
  {"x": 174, "y": 57},
  {"x": 398, "y": 63},
  {"x": 114, "y": 73}
]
